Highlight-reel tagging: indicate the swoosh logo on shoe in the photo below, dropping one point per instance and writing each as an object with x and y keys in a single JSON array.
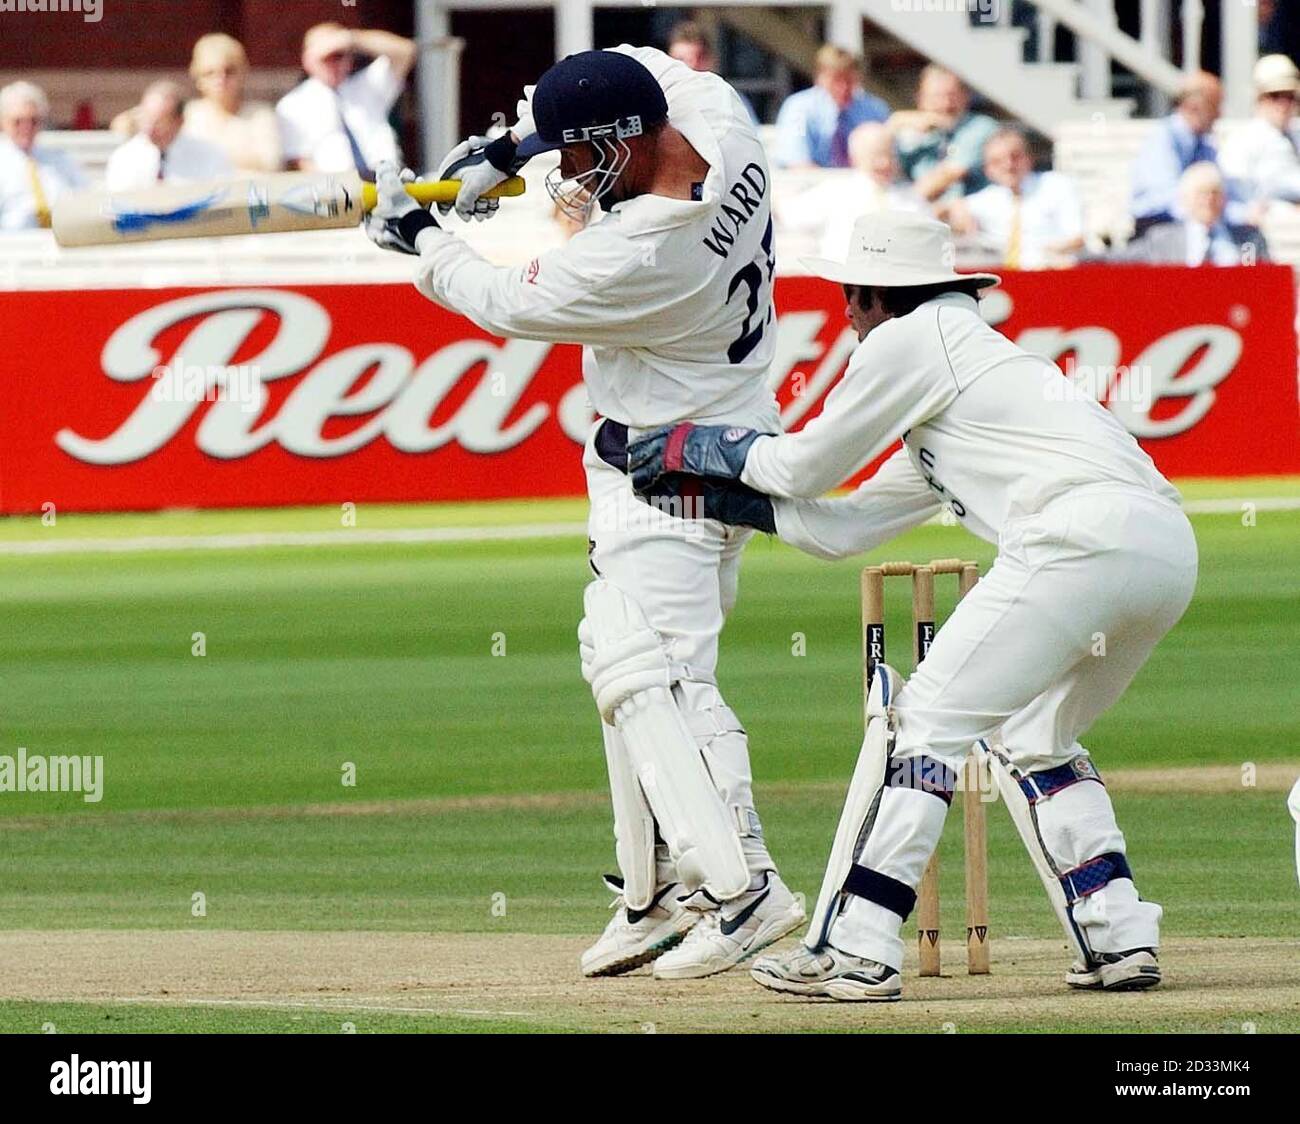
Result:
[
  {"x": 635, "y": 915},
  {"x": 729, "y": 927}
]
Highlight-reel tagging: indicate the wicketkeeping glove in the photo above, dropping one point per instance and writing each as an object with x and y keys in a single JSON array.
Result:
[
  {"x": 397, "y": 219},
  {"x": 727, "y": 501},
  {"x": 718, "y": 451}
]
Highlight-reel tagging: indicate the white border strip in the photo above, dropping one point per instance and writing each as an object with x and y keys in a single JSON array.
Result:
[
  {"x": 409, "y": 535},
  {"x": 249, "y": 540}
]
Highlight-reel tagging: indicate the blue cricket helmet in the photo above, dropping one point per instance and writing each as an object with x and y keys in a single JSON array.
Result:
[{"x": 593, "y": 96}]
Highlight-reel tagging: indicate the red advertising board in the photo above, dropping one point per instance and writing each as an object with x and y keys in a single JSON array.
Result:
[{"x": 140, "y": 399}]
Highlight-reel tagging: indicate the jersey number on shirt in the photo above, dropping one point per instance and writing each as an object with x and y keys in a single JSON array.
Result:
[{"x": 752, "y": 277}]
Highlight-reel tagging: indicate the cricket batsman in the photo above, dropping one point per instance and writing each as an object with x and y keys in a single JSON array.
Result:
[
  {"x": 670, "y": 293},
  {"x": 1096, "y": 562}
]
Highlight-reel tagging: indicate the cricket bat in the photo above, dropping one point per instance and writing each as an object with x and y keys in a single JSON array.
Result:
[{"x": 250, "y": 205}]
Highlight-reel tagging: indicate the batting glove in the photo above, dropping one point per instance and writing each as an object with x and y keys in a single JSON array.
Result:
[
  {"x": 471, "y": 162},
  {"x": 397, "y": 219},
  {"x": 716, "y": 451}
]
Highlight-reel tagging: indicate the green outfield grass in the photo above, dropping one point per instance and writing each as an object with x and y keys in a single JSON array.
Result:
[{"x": 481, "y": 774}]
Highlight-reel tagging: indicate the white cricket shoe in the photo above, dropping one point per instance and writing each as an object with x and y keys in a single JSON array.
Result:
[
  {"x": 733, "y": 932},
  {"x": 1133, "y": 970},
  {"x": 636, "y": 936},
  {"x": 828, "y": 971}
]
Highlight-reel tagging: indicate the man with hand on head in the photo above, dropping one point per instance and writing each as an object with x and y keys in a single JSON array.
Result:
[
  {"x": 670, "y": 292},
  {"x": 336, "y": 119},
  {"x": 1092, "y": 543}
]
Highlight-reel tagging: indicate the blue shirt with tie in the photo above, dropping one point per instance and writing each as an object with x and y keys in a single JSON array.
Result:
[
  {"x": 1170, "y": 149},
  {"x": 812, "y": 129}
]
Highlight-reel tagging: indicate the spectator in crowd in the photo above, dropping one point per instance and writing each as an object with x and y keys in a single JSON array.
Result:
[
  {"x": 161, "y": 151},
  {"x": 336, "y": 119},
  {"x": 1174, "y": 145},
  {"x": 1203, "y": 237},
  {"x": 841, "y": 198},
  {"x": 813, "y": 126},
  {"x": 1262, "y": 158},
  {"x": 246, "y": 131},
  {"x": 1031, "y": 220},
  {"x": 32, "y": 175},
  {"x": 941, "y": 142},
  {"x": 690, "y": 44}
]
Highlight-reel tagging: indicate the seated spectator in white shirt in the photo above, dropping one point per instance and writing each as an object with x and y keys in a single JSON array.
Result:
[
  {"x": 246, "y": 131},
  {"x": 161, "y": 152},
  {"x": 872, "y": 184},
  {"x": 1262, "y": 158},
  {"x": 1030, "y": 220},
  {"x": 336, "y": 120},
  {"x": 1203, "y": 237},
  {"x": 32, "y": 176}
]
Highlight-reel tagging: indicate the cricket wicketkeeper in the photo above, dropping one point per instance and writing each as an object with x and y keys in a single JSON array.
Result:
[
  {"x": 671, "y": 294},
  {"x": 1096, "y": 562}
]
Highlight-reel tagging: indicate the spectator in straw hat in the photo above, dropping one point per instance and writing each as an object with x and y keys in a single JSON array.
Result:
[
  {"x": 245, "y": 131},
  {"x": 1262, "y": 158}
]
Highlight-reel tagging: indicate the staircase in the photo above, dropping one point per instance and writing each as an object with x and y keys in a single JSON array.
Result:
[{"x": 989, "y": 57}]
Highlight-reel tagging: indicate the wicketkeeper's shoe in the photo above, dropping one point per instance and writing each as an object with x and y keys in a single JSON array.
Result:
[
  {"x": 733, "y": 932},
  {"x": 829, "y": 972},
  {"x": 1117, "y": 971},
  {"x": 636, "y": 936}
]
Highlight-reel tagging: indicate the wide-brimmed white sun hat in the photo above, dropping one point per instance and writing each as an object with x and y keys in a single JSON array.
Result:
[{"x": 896, "y": 248}]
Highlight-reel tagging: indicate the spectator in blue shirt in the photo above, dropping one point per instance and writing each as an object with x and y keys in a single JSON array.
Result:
[
  {"x": 1182, "y": 139},
  {"x": 813, "y": 126}
]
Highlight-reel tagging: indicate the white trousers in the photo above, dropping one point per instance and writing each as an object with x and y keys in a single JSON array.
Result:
[
  {"x": 1293, "y": 803},
  {"x": 683, "y": 573},
  {"x": 1078, "y": 597}
]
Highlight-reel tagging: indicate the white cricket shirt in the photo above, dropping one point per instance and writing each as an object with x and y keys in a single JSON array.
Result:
[
  {"x": 672, "y": 298},
  {"x": 988, "y": 428}
]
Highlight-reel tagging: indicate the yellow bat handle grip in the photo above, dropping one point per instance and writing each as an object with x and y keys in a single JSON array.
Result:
[{"x": 442, "y": 191}]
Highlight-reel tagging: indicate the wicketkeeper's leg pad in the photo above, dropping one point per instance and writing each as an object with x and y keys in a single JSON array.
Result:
[
  {"x": 1067, "y": 824},
  {"x": 632, "y": 679},
  {"x": 876, "y": 771}
]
